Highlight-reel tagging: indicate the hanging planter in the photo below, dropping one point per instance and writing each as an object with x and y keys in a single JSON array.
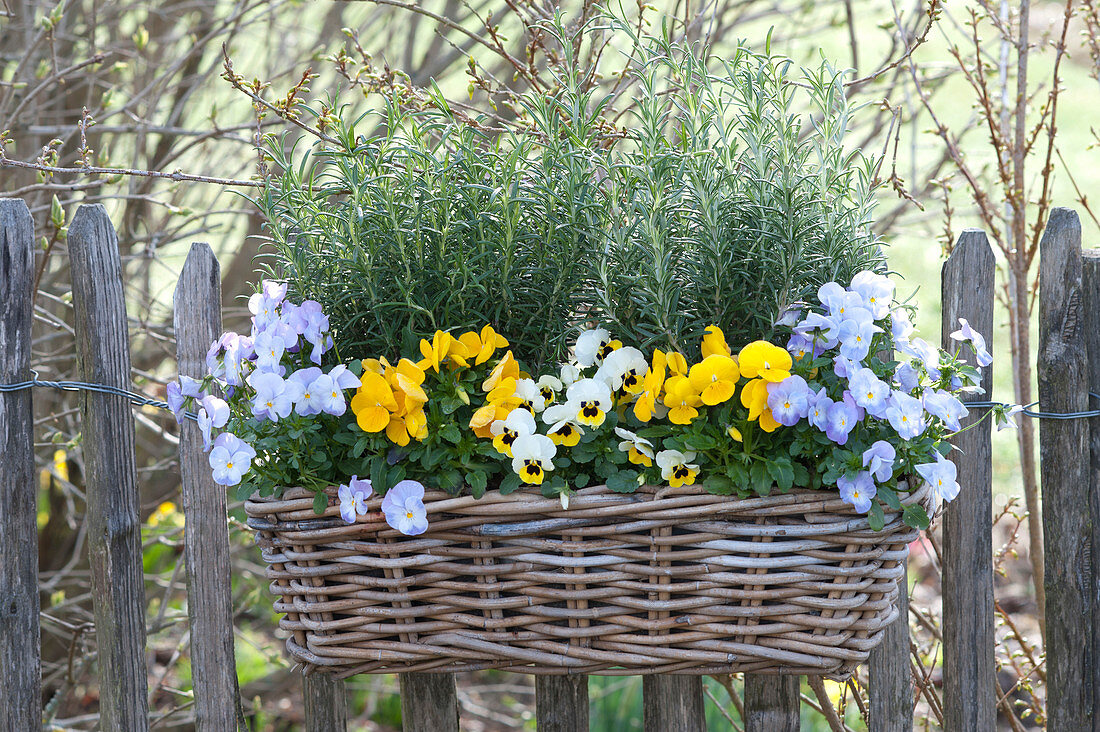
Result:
[{"x": 488, "y": 414}]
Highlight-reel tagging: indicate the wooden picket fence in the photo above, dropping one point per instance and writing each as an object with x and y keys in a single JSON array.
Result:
[{"x": 1068, "y": 362}]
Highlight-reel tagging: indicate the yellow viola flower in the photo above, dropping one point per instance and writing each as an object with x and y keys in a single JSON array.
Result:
[
  {"x": 734, "y": 433},
  {"x": 482, "y": 346},
  {"x": 652, "y": 382},
  {"x": 373, "y": 402},
  {"x": 377, "y": 365},
  {"x": 508, "y": 367},
  {"x": 567, "y": 434},
  {"x": 408, "y": 377},
  {"x": 754, "y": 395},
  {"x": 484, "y": 417},
  {"x": 677, "y": 363},
  {"x": 442, "y": 348},
  {"x": 677, "y": 468},
  {"x": 589, "y": 400},
  {"x": 638, "y": 449},
  {"x": 714, "y": 342},
  {"x": 519, "y": 422},
  {"x": 714, "y": 378},
  {"x": 764, "y": 360},
  {"x": 532, "y": 457},
  {"x": 681, "y": 400}
]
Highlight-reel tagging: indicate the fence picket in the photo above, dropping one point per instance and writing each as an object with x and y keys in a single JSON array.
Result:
[
  {"x": 326, "y": 705},
  {"x": 967, "y": 555},
  {"x": 889, "y": 677},
  {"x": 20, "y": 638},
  {"x": 197, "y": 319},
  {"x": 114, "y": 528},
  {"x": 561, "y": 703},
  {"x": 771, "y": 703},
  {"x": 1090, "y": 279},
  {"x": 673, "y": 703},
  {"x": 1064, "y": 474},
  {"x": 429, "y": 703}
]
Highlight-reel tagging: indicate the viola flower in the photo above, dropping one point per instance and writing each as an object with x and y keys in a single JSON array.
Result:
[
  {"x": 623, "y": 369},
  {"x": 238, "y": 351},
  {"x": 681, "y": 400},
  {"x": 869, "y": 391},
  {"x": 906, "y": 377},
  {"x": 549, "y": 386},
  {"x": 264, "y": 305},
  {"x": 821, "y": 329},
  {"x": 677, "y": 363},
  {"x": 638, "y": 449},
  {"x": 714, "y": 343},
  {"x": 764, "y": 360},
  {"x": 269, "y": 350},
  {"x": 900, "y": 327},
  {"x": 569, "y": 374},
  {"x": 799, "y": 346},
  {"x": 592, "y": 401},
  {"x": 1008, "y": 419},
  {"x": 408, "y": 377},
  {"x": 856, "y": 335},
  {"x": 966, "y": 334},
  {"x": 837, "y": 300},
  {"x": 921, "y": 349},
  {"x": 529, "y": 396},
  {"x": 230, "y": 459},
  {"x": 858, "y": 490},
  {"x": 789, "y": 316},
  {"x": 404, "y": 508},
  {"x": 214, "y": 413},
  {"x": 440, "y": 349},
  {"x": 562, "y": 430},
  {"x": 353, "y": 498},
  {"x": 789, "y": 400},
  {"x": 817, "y": 412},
  {"x": 941, "y": 476},
  {"x": 879, "y": 460},
  {"x": 754, "y": 396},
  {"x": 507, "y": 368},
  {"x": 483, "y": 418},
  {"x": 532, "y": 456},
  {"x": 592, "y": 346},
  {"x": 946, "y": 406},
  {"x": 845, "y": 367},
  {"x": 481, "y": 347},
  {"x": 505, "y": 431},
  {"x": 876, "y": 292},
  {"x": 373, "y": 402},
  {"x": 714, "y": 379},
  {"x": 677, "y": 468},
  {"x": 648, "y": 400},
  {"x": 175, "y": 397},
  {"x": 307, "y": 403},
  {"x": 274, "y": 397},
  {"x": 906, "y": 416},
  {"x": 841, "y": 419}
]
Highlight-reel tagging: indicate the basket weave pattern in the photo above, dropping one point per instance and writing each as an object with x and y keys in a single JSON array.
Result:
[{"x": 660, "y": 581}]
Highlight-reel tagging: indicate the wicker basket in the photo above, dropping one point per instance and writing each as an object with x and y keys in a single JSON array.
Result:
[{"x": 660, "y": 581}]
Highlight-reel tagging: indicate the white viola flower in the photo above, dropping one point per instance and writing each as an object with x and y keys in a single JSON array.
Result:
[
  {"x": 967, "y": 334},
  {"x": 214, "y": 412},
  {"x": 590, "y": 344},
  {"x": 639, "y": 450},
  {"x": 564, "y": 429},
  {"x": 530, "y": 395},
  {"x": 941, "y": 476},
  {"x": 264, "y": 305},
  {"x": 876, "y": 291},
  {"x": 353, "y": 498},
  {"x": 676, "y": 467},
  {"x": 623, "y": 369},
  {"x": 532, "y": 457},
  {"x": 549, "y": 386},
  {"x": 570, "y": 374},
  {"x": 230, "y": 459},
  {"x": 946, "y": 406},
  {"x": 404, "y": 508},
  {"x": 900, "y": 327},
  {"x": 343, "y": 378},
  {"x": 592, "y": 400},
  {"x": 269, "y": 349},
  {"x": 274, "y": 397},
  {"x": 518, "y": 423}
]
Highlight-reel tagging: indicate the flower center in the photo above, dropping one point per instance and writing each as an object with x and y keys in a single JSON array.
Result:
[
  {"x": 532, "y": 468},
  {"x": 509, "y": 436},
  {"x": 229, "y": 464},
  {"x": 589, "y": 409},
  {"x": 408, "y": 514},
  {"x": 547, "y": 393},
  {"x": 680, "y": 471},
  {"x": 870, "y": 395}
]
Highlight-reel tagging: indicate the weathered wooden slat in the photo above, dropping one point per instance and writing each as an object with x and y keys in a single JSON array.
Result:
[
  {"x": 114, "y": 529},
  {"x": 890, "y": 680},
  {"x": 969, "y": 700},
  {"x": 197, "y": 318},
  {"x": 1064, "y": 474},
  {"x": 20, "y": 650},
  {"x": 672, "y": 703},
  {"x": 771, "y": 703},
  {"x": 429, "y": 703},
  {"x": 326, "y": 704},
  {"x": 561, "y": 703},
  {"x": 1090, "y": 279}
]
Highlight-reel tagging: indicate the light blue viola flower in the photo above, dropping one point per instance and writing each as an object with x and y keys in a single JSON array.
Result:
[
  {"x": 343, "y": 378},
  {"x": 879, "y": 460},
  {"x": 900, "y": 327},
  {"x": 845, "y": 367},
  {"x": 941, "y": 476},
  {"x": 800, "y": 346},
  {"x": 906, "y": 377},
  {"x": 966, "y": 334},
  {"x": 817, "y": 413},
  {"x": 353, "y": 498},
  {"x": 876, "y": 292},
  {"x": 857, "y": 490},
  {"x": 230, "y": 459},
  {"x": 869, "y": 391},
  {"x": 269, "y": 349},
  {"x": 906, "y": 415},
  {"x": 275, "y": 397},
  {"x": 308, "y": 402},
  {"x": 856, "y": 335},
  {"x": 946, "y": 406},
  {"x": 238, "y": 355},
  {"x": 790, "y": 314},
  {"x": 924, "y": 351},
  {"x": 788, "y": 400},
  {"x": 264, "y": 305},
  {"x": 841, "y": 419},
  {"x": 837, "y": 300},
  {"x": 821, "y": 329},
  {"x": 404, "y": 508},
  {"x": 214, "y": 413}
]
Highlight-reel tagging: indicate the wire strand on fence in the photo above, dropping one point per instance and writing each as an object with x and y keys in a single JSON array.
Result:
[{"x": 135, "y": 398}]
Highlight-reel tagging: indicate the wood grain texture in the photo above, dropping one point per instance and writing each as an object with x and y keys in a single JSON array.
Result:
[
  {"x": 890, "y": 679},
  {"x": 969, "y": 697},
  {"x": 429, "y": 703},
  {"x": 1090, "y": 279},
  {"x": 114, "y": 529},
  {"x": 1064, "y": 475},
  {"x": 561, "y": 703},
  {"x": 771, "y": 703},
  {"x": 673, "y": 703},
  {"x": 20, "y": 654},
  {"x": 197, "y": 320},
  {"x": 326, "y": 704}
]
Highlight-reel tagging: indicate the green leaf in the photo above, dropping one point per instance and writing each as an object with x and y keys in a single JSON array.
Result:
[
  {"x": 875, "y": 518},
  {"x": 510, "y": 484},
  {"x": 477, "y": 480},
  {"x": 760, "y": 478},
  {"x": 451, "y": 433},
  {"x": 320, "y": 502},
  {"x": 623, "y": 481},
  {"x": 719, "y": 485},
  {"x": 581, "y": 480},
  {"x": 781, "y": 471},
  {"x": 914, "y": 515},
  {"x": 889, "y": 497}
]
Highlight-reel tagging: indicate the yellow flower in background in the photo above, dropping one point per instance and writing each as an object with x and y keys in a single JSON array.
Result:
[
  {"x": 165, "y": 512},
  {"x": 677, "y": 363},
  {"x": 482, "y": 346},
  {"x": 440, "y": 349},
  {"x": 754, "y": 395},
  {"x": 681, "y": 400},
  {"x": 408, "y": 377},
  {"x": 508, "y": 367},
  {"x": 373, "y": 402},
  {"x": 484, "y": 417},
  {"x": 714, "y": 342},
  {"x": 764, "y": 360},
  {"x": 652, "y": 382},
  {"x": 714, "y": 378}
]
